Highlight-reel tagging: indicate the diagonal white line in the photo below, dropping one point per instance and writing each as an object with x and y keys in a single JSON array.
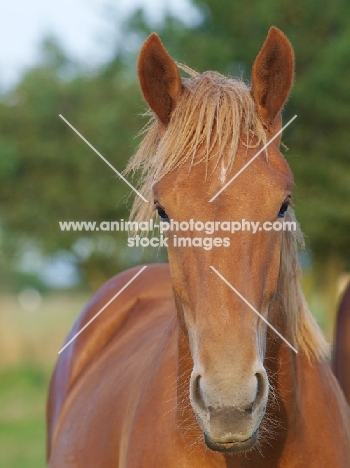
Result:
[
  {"x": 103, "y": 159},
  {"x": 103, "y": 308},
  {"x": 253, "y": 158},
  {"x": 253, "y": 308}
]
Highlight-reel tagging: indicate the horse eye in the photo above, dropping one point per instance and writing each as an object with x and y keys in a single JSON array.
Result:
[
  {"x": 163, "y": 216},
  {"x": 283, "y": 210}
]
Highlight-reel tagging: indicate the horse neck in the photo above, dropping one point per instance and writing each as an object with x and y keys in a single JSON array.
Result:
[
  {"x": 288, "y": 373},
  {"x": 306, "y": 394},
  {"x": 283, "y": 370}
]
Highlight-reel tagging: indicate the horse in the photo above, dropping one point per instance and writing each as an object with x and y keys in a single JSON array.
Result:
[
  {"x": 187, "y": 366},
  {"x": 341, "y": 358}
]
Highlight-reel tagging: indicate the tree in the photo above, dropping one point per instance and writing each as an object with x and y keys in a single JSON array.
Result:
[{"x": 48, "y": 174}]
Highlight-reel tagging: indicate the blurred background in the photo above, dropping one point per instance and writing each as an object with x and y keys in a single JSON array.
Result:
[{"x": 77, "y": 58}]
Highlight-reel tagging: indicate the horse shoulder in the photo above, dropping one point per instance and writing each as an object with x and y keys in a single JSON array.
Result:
[{"x": 152, "y": 286}]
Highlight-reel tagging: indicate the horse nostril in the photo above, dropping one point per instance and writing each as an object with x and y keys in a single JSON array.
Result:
[
  {"x": 261, "y": 388},
  {"x": 196, "y": 392}
]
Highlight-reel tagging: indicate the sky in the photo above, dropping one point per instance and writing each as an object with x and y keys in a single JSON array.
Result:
[{"x": 82, "y": 26}]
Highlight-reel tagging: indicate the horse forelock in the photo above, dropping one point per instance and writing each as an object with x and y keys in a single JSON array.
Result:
[{"x": 214, "y": 115}]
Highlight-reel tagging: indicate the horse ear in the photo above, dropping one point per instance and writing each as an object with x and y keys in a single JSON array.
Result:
[
  {"x": 272, "y": 76},
  {"x": 159, "y": 78}
]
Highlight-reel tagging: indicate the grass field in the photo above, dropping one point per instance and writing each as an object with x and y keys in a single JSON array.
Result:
[
  {"x": 22, "y": 428},
  {"x": 29, "y": 342}
]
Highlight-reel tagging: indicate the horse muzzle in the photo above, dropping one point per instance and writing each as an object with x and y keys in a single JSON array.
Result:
[{"x": 232, "y": 427}]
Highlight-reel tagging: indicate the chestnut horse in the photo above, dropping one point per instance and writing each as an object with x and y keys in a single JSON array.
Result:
[
  {"x": 179, "y": 371},
  {"x": 341, "y": 360}
]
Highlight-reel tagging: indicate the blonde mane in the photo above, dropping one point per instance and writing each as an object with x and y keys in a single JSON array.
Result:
[
  {"x": 213, "y": 113},
  {"x": 290, "y": 306}
]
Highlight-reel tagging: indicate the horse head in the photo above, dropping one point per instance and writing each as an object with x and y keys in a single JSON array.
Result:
[{"x": 207, "y": 130}]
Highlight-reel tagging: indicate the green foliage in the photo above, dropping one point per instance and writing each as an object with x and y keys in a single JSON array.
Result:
[{"x": 48, "y": 174}]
